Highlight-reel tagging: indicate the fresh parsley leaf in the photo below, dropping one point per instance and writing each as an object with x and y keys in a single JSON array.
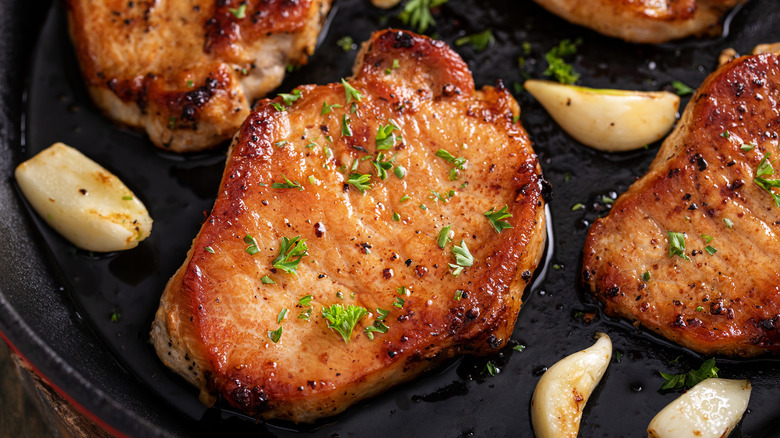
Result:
[
  {"x": 385, "y": 137},
  {"x": 344, "y": 319},
  {"x": 360, "y": 181},
  {"x": 747, "y": 147},
  {"x": 382, "y": 166},
  {"x": 282, "y": 314},
  {"x": 305, "y": 300},
  {"x": 209, "y": 249},
  {"x": 377, "y": 327},
  {"x": 463, "y": 258},
  {"x": 764, "y": 169},
  {"x": 399, "y": 171},
  {"x": 239, "y": 12},
  {"x": 267, "y": 280},
  {"x": 496, "y": 218},
  {"x": 290, "y": 254},
  {"x": 677, "y": 245},
  {"x": 490, "y": 368},
  {"x": 287, "y": 184},
  {"x": 646, "y": 276},
  {"x": 326, "y": 109},
  {"x": 707, "y": 239},
  {"x": 305, "y": 315},
  {"x": 351, "y": 92},
  {"x": 288, "y": 99},
  {"x": 699, "y": 308},
  {"x": 396, "y": 217},
  {"x": 278, "y": 106},
  {"x": 444, "y": 236},
  {"x": 346, "y": 131},
  {"x": 275, "y": 335},
  {"x": 728, "y": 222},
  {"x": 681, "y": 89},
  {"x": 458, "y": 295},
  {"x": 399, "y": 302},
  {"x": 252, "y": 248},
  {"x": 458, "y": 163},
  {"x": 404, "y": 198},
  {"x": 577, "y": 206},
  {"x": 480, "y": 40},
  {"x": 417, "y": 13},
  {"x": 691, "y": 378},
  {"x": 710, "y": 250}
]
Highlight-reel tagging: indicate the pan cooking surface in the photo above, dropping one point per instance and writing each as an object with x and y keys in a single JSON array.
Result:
[{"x": 460, "y": 399}]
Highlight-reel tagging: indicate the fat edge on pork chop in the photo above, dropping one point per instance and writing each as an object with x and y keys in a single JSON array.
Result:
[
  {"x": 403, "y": 196},
  {"x": 187, "y": 71},
  {"x": 689, "y": 250}
]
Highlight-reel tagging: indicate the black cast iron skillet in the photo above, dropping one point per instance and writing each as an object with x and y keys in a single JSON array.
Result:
[{"x": 56, "y": 302}]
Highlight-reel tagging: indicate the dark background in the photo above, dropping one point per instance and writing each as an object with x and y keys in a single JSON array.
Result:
[{"x": 56, "y": 302}]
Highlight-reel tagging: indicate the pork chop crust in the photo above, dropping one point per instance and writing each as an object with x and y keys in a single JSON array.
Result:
[
  {"x": 724, "y": 296},
  {"x": 187, "y": 71},
  {"x": 644, "y": 21},
  {"x": 378, "y": 250}
]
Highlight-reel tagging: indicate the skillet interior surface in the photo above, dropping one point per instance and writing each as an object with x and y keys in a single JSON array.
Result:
[{"x": 56, "y": 302}]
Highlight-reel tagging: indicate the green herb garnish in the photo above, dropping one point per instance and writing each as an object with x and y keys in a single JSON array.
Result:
[
  {"x": 463, "y": 258},
  {"x": 557, "y": 67},
  {"x": 267, "y": 280},
  {"x": 490, "y": 368},
  {"x": 287, "y": 184},
  {"x": 382, "y": 166},
  {"x": 346, "y": 131},
  {"x": 677, "y": 245},
  {"x": 417, "y": 13},
  {"x": 681, "y": 89},
  {"x": 239, "y": 12},
  {"x": 496, "y": 218},
  {"x": 351, "y": 92},
  {"x": 385, "y": 137},
  {"x": 444, "y": 236},
  {"x": 288, "y": 99},
  {"x": 691, "y": 378},
  {"x": 710, "y": 250},
  {"x": 275, "y": 335},
  {"x": 346, "y": 43},
  {"x": 344, "y": 319},
  {"x": 646, "y": 276},
  {"x": 326, "y": 109},
  {"x": 764, "y": 169},
  {"x": 290, "y": 254},
  {"x": 459, "y": 163},
  {"x": 282, "y": 314},
  {"x": 252, "y": 248},
  {"x": 360, "y": 181},
  {"x": 480, "y": 40},
  {"x": 399, "y": 171}
]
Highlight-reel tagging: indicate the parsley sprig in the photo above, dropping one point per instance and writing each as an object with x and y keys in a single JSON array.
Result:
[
  {"x": 463, "y": 258},
  {"x": 344, "y": 319},
  {"x": 562, "y": 71},
  {"x": 417, "y": 13},
  {"x": 444, "y": 236},
  {"x": 764, "y": 169},
  {"x": 459, "y": 163},
  {"x": 691, "y": 378},
  {"x": 496, "y": 218},
  {"x": 290, "y": 254},
  {"x": 480, "y": 40},
  {"x": 677, "y": 245}
]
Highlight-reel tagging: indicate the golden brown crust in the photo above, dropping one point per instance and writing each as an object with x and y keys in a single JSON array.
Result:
[
  {"x": 216, "y": 312},
  {"x": 728, "y": 302},
  {"x": 187, "y": 71},
  {"x": 644, "y": 21}
]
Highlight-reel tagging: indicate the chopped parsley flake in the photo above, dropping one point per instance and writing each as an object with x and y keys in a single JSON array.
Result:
[
  {"x": 399, "y": 171},
  {"x": 115, "y": 316},
  {"x": 747, "y": 147},
  {"x": 399, "y": 302},
  {"x": 677, "y": 245},
  {"x": 382, "y": 166},
  {"x": 209, "y": 249},
  {"x": 396, "y": 217},
  {"x": 252, "y": 248},
  {"x": 710, "y": 250},
  {"x": 646, "y": 276},
  {"x": 480, "y": 40},
  {"x": 385, "y": 137},
  {"x": 691, "y": 378},
  {"x": 463, "y": 258},
  {"x": 577, "y": 206},
  {"x": 423, "y": 207},
  {"x": 459, "y": 163},
  {"x": 344, "y": 319},
  {"x": 496, "y": 218},
  {"x": 280, "y": 143},
  {"x": 490, "y": 368},
  {"x": 190, "y": 84},
  {"x": 726, "y": 134},
  {"x": 444, "y": 236},
  {"x": 764, "y": 169},
  {"x": 377, "y": 327},
  {"x": 267, "y": 280},
  {"x": 287, "y": 184},
  {"x": 346, "y": 131},
  {"x": 557, "y": 67},
  {"x": 361, "y": 181},
  {"x": 305, "y": 300},
  {"x": 239, "y": 12},
  {"x": 275, "y": 335},
  {"x": 288, "y": 99},
  {"x": 706, "y": 238},
  {"x": 518, "y": 347},
  {"x": 681, "y": 89},
  {"x": 281, "y": 316},
  {"x": 305, "y": 315},
  {"x": 458, "y": 295},
  {"x": 326, "y": 109},
  {"x": 417, "y": 13},
  {"x": 127, "y": 198},
  {"x": 728, "y": 222},
  {"x": 351, "y": 92},
  {"x": 404, "y": 198},
  {"x": 699, "y": 308},
  {"x": 290, "y": 254}
]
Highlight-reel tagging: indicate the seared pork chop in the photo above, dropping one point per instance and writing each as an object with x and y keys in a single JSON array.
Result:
[
  {"x": 644, "y": 21},
  {"x": 187, "y": 71},
  {"x": 387, "y": 179},
  {"x": 689, "y": 250}
]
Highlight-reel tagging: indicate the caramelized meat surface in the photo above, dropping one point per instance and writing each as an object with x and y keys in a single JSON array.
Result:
[
  {"x": 368, "y": 187},
  {"x": 644, "y": 21},
  {"x": 187, "y": 71},
  {"x": 720, "y": 293}
]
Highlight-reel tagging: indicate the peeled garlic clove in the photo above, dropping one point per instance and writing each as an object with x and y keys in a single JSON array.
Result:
[
  {"x": 84, "y": 202},
  {"x": 608, "y": 120},
  {"x": 766, "y": 48},
  {"x": 710, "y": 409},
  {"x": 563, "y": 390}
]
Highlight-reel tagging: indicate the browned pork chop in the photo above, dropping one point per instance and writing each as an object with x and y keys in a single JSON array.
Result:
[
  {"x": 187, "y": 71},
  {"x": 720, "y": 294},
  {"x": 644, "y": 21},
  {"x": 371, "y": 190}
]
